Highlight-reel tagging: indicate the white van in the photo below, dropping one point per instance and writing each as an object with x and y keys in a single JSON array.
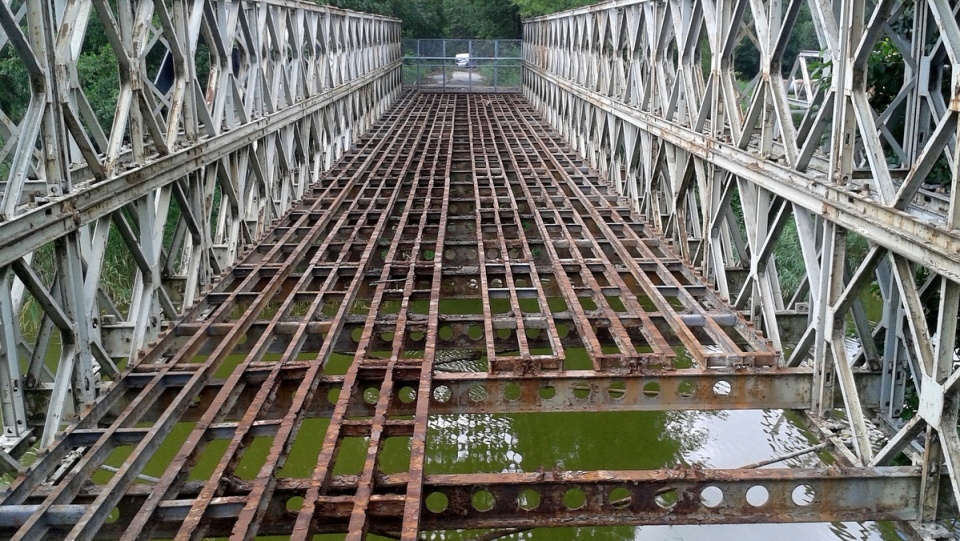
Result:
[{"x": 463, "y": 60}]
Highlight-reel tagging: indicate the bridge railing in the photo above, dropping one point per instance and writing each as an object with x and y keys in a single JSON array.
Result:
[
  {"x": 143, "y": 147},
  {"x": 797, "y": 214},
  {"x": 462, "y": 65}
]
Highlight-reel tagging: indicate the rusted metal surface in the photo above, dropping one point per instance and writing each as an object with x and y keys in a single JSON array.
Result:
[
  {"x": 452, "y": 262},
  {"x": 540, "y": 499},
  {"x": 545, "y": 499}
]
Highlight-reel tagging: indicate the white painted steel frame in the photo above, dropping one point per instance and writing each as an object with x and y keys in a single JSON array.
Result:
[
  {"x": 647, "y": 91},
  {"x": 227, "y": 110}
]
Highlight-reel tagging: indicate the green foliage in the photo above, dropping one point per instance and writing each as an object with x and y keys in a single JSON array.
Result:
[
  {"x": 746, "y": 62},
  {"x": 421, "y": 18},
  {"x": 16, "y": 85},
  {"x": 789, "y": 257},
  {"x": 532, "y": 8},
  {"x": 474, "y": 19},
  {"x": 941, "y": 173},
  {"x": 505, "y": 75},
  {"x": 803, "y": 38},
  {"x": 14, "y": 99},
  {"x": 884, "y": 74},
  {"x": 482, "y": 20},
  {"x": 96, "y": 69},
  {"x": 820, "y": 70},
  {"x": 116, "y": 279},
  {"x": 100, "y": 79}
]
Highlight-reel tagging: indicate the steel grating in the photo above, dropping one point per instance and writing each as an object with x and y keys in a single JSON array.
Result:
[{"x": 460, "y": 228}]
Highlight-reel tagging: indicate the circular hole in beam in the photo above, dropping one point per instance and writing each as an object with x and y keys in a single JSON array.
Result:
[
  {"x": 437, "y": 502},
  {"x": 757, "y": 496},
  {"x": 711, "y": 497},
  {"x": 294, "y": 504},
  {"x": 407, "y": 395},
  {"x": 620, "y": 498},
  {"x": 666, "y": 498},
  {"x": 617, "y": 390},
  {"x": 442, "y": 394},
  {"x": 722, "y": 388},
  {"x": 804, "y": 495},
  {"x": 687, "y": 389},
  {"x": 475, "y": 332},
  {"x": 528, "y": 499},
  {"x": 574, "y": 499},
  {"x": 483, "y": 501},
  {"x": 477, "y": 393},
  {"x": 512, "y": 391}
]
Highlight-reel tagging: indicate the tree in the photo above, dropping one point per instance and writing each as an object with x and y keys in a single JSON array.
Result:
[
  {"x": 532, "y": 8},
  {"x": 803, "y": 37},
  {"x": 468, "y": 19},
  {"x": 421, "y": 18},
  {"x": 483, "y": 19}
]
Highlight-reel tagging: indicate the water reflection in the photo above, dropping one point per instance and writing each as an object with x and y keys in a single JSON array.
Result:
[
  {"x": 632, "y": 440},
  {"x": 569, "y": 441},
  {"x": 812, "y": 532},
  {"x": 736, "y": 438}
]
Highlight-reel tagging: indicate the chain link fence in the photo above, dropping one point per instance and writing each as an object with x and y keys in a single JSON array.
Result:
[{"x": 463, "y": 65}]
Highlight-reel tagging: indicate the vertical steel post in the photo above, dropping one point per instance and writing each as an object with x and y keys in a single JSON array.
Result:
[{"x": 11, "y": 391}]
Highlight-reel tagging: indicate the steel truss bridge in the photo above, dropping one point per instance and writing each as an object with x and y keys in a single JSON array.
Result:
[{"x": 280, "y": 203}]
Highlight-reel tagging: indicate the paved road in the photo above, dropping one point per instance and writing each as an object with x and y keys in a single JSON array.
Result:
[{"x": 461, "y": 76}]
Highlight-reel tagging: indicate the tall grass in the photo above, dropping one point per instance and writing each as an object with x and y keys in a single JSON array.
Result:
[
  {"x": 116, "y": 279},
  {"x": 789, "y": 257},
  {"x": 791, "y": 269},
  {"x": 117, "y": 275},
  {"x": 504, "y": 74}
]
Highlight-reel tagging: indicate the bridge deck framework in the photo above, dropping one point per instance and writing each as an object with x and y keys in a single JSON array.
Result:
[
  {"x": 227, "y": 113},
  {"x": 460, "y": 228}
]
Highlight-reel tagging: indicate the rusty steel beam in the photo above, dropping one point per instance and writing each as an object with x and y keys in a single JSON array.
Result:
[
  {"x": 473, "y": 393},
  {"x": 679, "y": 496},
  {"x": 555, "y": 498}
]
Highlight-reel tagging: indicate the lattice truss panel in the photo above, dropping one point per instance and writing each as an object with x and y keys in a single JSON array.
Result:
[
  {"x": 725, "y": 166},
  {"x": 453, "y": 263},
  {"x": 143, "y": 146}
]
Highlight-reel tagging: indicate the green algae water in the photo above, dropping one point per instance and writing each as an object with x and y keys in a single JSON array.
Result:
[
  {"x": 575, "y": 441},
  {"x": 578, "y": 441},
  {"x": 487, "y": 443},
  {"x": 633, "y": 440}
]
